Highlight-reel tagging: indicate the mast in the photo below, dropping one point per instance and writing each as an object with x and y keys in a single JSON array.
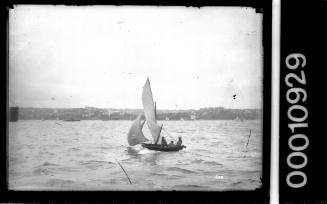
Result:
[
  {"x": 159, "y": 134},
  {"x": 155, "y": 113}
]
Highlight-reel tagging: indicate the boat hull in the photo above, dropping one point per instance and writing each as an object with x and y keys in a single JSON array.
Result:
[{"x": 162, "y": 148}]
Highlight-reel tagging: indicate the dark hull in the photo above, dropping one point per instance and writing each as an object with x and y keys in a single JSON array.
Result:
[{"x": 162, "y": 148}]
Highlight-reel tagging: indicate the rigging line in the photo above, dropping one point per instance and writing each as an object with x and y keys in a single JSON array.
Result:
[
  {"x": 124, "y": 171},
  {"x": 246, "y": 147},
  {"x": 167, "y": 133},
  {"x": 248, "y": 139}
]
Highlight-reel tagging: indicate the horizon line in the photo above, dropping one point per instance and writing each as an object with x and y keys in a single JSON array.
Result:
[{"x": 129, "y": 108}]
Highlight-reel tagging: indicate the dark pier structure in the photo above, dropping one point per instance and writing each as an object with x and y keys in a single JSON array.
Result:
[{"x": 13, "y": 114}]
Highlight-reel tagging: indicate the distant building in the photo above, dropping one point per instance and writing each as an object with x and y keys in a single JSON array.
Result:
[
  {"x": 114, "y": 115},
  {"x": 193, "y": 115},
  {"x": 13, "y": 114}
]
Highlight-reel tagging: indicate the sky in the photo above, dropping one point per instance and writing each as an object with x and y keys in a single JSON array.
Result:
[{"x": 101, "y": 56}]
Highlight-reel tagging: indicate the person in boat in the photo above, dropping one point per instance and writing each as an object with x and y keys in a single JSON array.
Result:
[
  {"x": 179, "y": 142},
  {"x": 163, "y": 141},
  {"x": 171, "y": 144}
]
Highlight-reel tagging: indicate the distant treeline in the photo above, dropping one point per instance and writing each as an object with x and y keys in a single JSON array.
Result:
[{"x": 91, "y": 113}]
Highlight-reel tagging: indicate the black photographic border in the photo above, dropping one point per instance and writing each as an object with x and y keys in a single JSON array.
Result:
[
  {"x": 303, "y": 31},
  {"x": 260, "y": 195}
]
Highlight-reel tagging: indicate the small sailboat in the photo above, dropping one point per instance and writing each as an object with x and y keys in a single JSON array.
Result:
[
  {"x": 239, "y": 118},
  {"x": 135, "y": 134}
]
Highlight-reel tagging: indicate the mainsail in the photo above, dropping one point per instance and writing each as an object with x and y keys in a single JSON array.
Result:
[
  {"x": 135, "y": 134},
  {"x": 150, "y": 111}
]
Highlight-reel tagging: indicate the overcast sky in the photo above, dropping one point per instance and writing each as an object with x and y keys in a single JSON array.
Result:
[{"x": 64, "y": 56}]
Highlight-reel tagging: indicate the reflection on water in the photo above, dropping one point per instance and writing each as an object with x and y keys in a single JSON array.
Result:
[
  {"x": 132, "y": 152},
  {"x": 152, "y": 159},
  {"x": 147, "y": 157},
  {"x": 82, "y": 156}
]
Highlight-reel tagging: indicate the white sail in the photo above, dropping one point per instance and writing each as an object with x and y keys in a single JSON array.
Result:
[
  {"x": 135, "y": 134},
  {"x": 150, "y": 111},
  {"x": 155, "y": 130}
]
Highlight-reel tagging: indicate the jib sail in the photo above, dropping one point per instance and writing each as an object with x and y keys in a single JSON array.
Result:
[{"x": 135, "y": 134}]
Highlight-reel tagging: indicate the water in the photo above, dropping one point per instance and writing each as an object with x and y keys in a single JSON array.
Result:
[{"x": 58, "y": 155}]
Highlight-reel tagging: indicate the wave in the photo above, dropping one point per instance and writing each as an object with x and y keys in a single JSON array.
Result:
[
  {"x": 254, "y": 180},
  {"x": 104, "y": 148},
  {"x": 237, "y": 183},
  {"x": 145, "y": 151},
  {"x": 50, "y": 168},
  {"x": 212, "y": 163},
  {"x": 74, "y": 149},
  {"x": 59, "y": 182},
  {"x": 16, "y": 160},
  {"x": 197, "y": 161},
  {"x": 249, "y": 172},
  {"x": 94, "y": 162},
  {"x": 67, "y": 169},
  {"x": 48, "y": 164},
  {"x": 111, "y": 181},
  {"x": 92, "y": 165},
  {"x": 203, "y": 151},
  {"x": 214, "y": 144},
  {"x": 186, "y": 171},
  {"x": 87, "y": 154},
  {"x": 189, "y": 186},
  {"x": 174, "y": 177},
  {"x": 41, "y": 171},
  {"x": 201, "y": 138},
  {"x": 157, "y": 174}
]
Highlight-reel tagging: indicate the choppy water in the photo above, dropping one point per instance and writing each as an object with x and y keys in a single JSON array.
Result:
[{"x": 57, "y": 155}]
